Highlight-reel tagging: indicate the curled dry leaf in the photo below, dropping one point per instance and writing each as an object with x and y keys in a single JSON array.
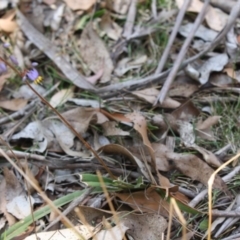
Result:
[
  {"x": 95, "y": 54},
  {"x": 215, "y": 64},
  {"x": 118, "y": 149},
  {"x": 127, "y": 64}
]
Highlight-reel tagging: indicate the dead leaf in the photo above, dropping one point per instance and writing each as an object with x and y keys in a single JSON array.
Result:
[
  {"x": 140, "y": 125},
  {"x": 208, "y": 156},
  {"x": 18, "y": 203},
  {"x": 81, "y": 117},
  {"x": 110, "y": 129},
  {"x": 186, "y": 112},
  {"x": 58, "y": 130},
  {"x": 34, "y": 131},
  {"x": 7, "y": 24},
  {"x": 230, "y": 72},
  {"x": 49, "y": 2},
  {"x": 119, "y": 6},
  {"x": 116, "y": 233},
  {"x": 61, "y": 97},
  {"x": 143, "y": 226},
  {"x": 203, "y": 128},
  {"x": 127, "y": 64},
  {"x": 193, "y": 167},
  {"x": 95, "y": 53},
  {"x": 118, "y": 149},
  {"x": 208, "y": 35},
  {"x": 111, "y": 28},
  {"x": 213, "y": 64},
  {"x": 215, "y": 17},
  {"x": 150, "y": 95},
  {"x": 80, "y": 4},
  {"x": 13, "y": 104},
  {"x": 85, "y": 231},
  {"x": 160, "y": 152},
  {"x": 145, "y": 201}
]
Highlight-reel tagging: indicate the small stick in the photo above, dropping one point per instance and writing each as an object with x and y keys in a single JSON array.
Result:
[
  {"x": 172, "y": 37},
  {"x": 181, "y": 55}
]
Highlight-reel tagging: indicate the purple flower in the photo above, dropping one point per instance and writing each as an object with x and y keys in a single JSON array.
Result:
[
  {"x": 6, "y": 45},
  {"x": 14, "y": 60},
  {"x": 32, "y": 74},
  {"x": 3, "y": 68}
]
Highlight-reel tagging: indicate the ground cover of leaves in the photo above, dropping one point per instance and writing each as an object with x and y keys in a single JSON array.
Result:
[{"x": 119, "y": 119}]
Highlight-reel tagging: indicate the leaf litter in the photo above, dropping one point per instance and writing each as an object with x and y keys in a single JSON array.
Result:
[{"x": 156, "y": 152}]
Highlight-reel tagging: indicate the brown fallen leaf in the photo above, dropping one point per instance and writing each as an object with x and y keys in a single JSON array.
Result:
[
  {"x": 144, "y": 226},
  {"x": 110, "y": 129},
  {"x": 119, "y": 6},
  {"x": 14, "y": 104},
  {"x": 140, "y": 125},
  {"x": 150, "y": 95},
  {"x": 118, "y": 149},
  {"x": 81, "y": 117},
  {"x": 216, "y": 18},
  {"x": 192, "y": 166},
  {"x": 187, "y": 111},
  {"x": 95, "y": 53},
  {"x": 203, "y": 128},
  {"x": 80, "y": 4},
  {"x": 146, "y": 201},
  {"x": 111, "y": 28},
  {"x": 7, "y": 22}
]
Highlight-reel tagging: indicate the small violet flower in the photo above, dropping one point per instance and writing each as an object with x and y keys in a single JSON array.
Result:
[
  {"x": 6, "y": 45},
  {"x": 14, "y": 60},
  {"x": 3, "y": 68},
  {"x": 32, "y": 74}
]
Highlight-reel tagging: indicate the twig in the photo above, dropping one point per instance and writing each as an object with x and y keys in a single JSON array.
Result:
[
  {"x": 172, "y": 37},
  {"x": 154, "y": 9},
  {"x": 129, "y": 24},
  {"x": 181, "y": 55}
]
